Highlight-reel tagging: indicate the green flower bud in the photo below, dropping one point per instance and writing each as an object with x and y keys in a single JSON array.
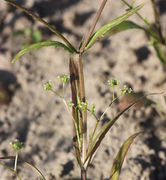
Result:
[
  {"x": 64, "y": 79},
  {"x": 84, "y": 106},
  {"x": 17, "y": 145},
  {"x": 113, "y": 82},
  {"x": 93, "y": 108},
  {"x": 48, "y": 86},
  {"x": 71, "y": 104},
  {"x": 126, "y": 90}
]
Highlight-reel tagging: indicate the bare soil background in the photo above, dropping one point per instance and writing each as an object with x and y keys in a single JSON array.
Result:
[{"x": 39, "y": 119}]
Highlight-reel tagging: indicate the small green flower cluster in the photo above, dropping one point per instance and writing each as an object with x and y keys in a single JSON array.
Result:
[
  {"x": 71, "y": 104},
  {"x": 63, "y": 79},
  {"x": 17, "y": 145},
  {"x": 82, "y": 105},
  {"x": 48, "y": 86},
  {"x": 92, "y": 109},
  {"x": 113, "y": 82},
  {"x": 125, "y": 90}
]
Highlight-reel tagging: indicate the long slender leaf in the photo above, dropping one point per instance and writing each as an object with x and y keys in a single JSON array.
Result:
[
  {"x": 11, "y": 170},
  {"x": 100, "y": 136},
  {"x": 118, "y": 162},
  {"x": 104, "y": 30},
  {"x": 40, "y": 45},
  {"x": 29, "y": 164},
  {"x": 104, "y": 130},
  {"x": 125, "y": 25},
  {"x": 36, "y": 17}
]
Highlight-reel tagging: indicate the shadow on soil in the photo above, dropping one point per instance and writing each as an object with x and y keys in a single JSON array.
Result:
[{"x": 154, "y": 162}]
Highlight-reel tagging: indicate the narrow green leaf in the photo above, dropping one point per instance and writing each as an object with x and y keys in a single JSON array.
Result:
[
  {"x": 104, "y": 130},
  {"x": 118, "y": 162},
  {"x": 106, "y": 29},
  {"x": 100, "y": 136},
  {"x": 125, "y": 25},
  {"x": 36, "y": 17},
  {"x": 26, "y": 162},
  {"x": 40, "y": 45}
]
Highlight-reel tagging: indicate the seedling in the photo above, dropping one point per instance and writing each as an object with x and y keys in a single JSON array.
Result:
[
  {"x": 85, "y": 148},
  {"x": 17, "y": 146},
  {"x": 31, "y": 36}
]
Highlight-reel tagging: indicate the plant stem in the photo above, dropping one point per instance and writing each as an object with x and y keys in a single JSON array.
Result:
[
  {"x": 74, "y": 82},
  {"x": 75, "y": 125},
  {"x": 16, "y": 160},
  {"x": 157, "y": 21},
  {"x": 83, "y": 173},
  {"x": 114, "y": 99},
  {"x": 93, "y": 25},
  {"x": 84, "y": 112}
]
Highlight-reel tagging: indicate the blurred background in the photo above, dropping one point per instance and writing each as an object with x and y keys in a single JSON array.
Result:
[{"x": 39, "y": 119}]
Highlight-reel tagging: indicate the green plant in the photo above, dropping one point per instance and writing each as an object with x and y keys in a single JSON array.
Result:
[
  {"x": 85, "y": 148},
  {"x": 17, "y": 146},
  {"x": 156, "y": 35},
  {"x": 31, "y": 36}
]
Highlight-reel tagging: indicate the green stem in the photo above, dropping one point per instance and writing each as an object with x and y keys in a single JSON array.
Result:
[
  {"x": 63, "y": 90},
  {"x": 150, "y": 28},
  {"x": 113, "y": 93},
  {"x": 94, "y": 131},
  {"x": 16, "y": 160},
  {"x": 157, "y": 21},
  {"x": 76, "y": 127},
  {"x": 96, "y": 125},
  {"x": 114, "y": 99},
  {"x": 138, "y": 14}
]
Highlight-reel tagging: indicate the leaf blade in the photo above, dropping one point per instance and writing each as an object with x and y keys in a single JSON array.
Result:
[
  {"x": 100, "y": 136},
  {"x": 100, "y": 33},
  {"x": 36, "y": 17},
  {"x": 125, "y": 25},
  {"x": 40, "y": 45},
  {"x": 118, "y": 161}
]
